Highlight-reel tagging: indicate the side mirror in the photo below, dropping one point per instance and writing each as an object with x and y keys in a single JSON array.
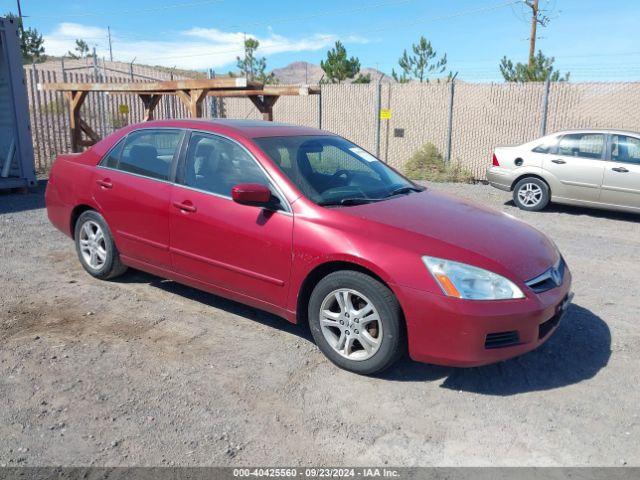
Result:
[{"x": 251, "y": 194}]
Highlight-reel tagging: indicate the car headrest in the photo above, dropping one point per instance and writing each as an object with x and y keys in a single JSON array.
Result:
[{"x": 204, "y": 149}]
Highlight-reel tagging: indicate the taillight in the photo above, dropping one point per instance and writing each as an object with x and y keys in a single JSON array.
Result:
[{"x": 495, "y": 161}]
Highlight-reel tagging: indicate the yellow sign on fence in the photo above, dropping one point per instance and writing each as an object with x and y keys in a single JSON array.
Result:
[
  {"x": 385, "y": 114},
  {"x": 123, "y": 108}
]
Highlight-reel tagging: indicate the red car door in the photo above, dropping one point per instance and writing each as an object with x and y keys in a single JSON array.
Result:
[
  {"x": 133, "y": 192},
  {"x": 239, "y": 248}
]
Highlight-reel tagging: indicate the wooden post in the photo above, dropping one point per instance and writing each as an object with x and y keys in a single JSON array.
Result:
[
  {"x": 265, "y": 105},
  {"x": 150, "y": 103},
  {"x": 76, "y": 99},
  {"x": 193, "y": 100}
]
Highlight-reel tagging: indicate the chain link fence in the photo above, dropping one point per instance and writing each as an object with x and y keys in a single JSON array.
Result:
[
  {"x": 105, "y": 112},
  {"x": 465, "y": 121}
]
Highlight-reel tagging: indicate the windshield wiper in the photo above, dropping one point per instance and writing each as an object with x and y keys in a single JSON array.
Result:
[
  {"x": 405, "y": 189},
  {"x": 349, "y": 201}
]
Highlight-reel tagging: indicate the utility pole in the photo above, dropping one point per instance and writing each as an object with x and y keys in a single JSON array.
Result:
[
  {"x": 110, "y": 47},
  {"x": 536, "y": 18},
  {"x": 534, "y": 27},
  {"x": 20, "y": 17}
]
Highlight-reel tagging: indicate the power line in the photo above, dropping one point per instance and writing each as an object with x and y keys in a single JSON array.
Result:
[
  {"x": 345, "y": 34},
  {"x": 322, "y": 13},
  {"x": 161, "y": 8},
  {"x": 280, "y": 20},
  {"x": 556, "y": 56}
]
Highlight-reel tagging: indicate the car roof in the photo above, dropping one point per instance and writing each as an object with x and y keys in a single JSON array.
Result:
[
  {"x": 613, "y": 131},
  {"x": 242, "y": 128}
]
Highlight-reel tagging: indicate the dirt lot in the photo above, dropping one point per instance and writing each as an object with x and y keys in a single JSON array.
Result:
[{"x": 142, "y": 371}]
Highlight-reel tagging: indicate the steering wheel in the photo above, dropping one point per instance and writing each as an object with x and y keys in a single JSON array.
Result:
[{"x": 342, "y": 173}]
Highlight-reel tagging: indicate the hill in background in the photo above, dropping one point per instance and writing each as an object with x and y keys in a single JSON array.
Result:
[{"x": 301, "y": 73}]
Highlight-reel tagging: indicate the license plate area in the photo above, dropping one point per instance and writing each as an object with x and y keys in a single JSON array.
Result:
[{"x": 545, "y": 328}]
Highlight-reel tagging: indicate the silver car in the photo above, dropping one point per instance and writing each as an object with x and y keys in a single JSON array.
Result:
[{"x": 592, "y": 168}]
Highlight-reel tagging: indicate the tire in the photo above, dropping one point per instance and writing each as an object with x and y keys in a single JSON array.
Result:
[
  {"x": 369, "y": 346},
  {"x": 531, "y": 194},
  {"x": 107, "y": 263}
]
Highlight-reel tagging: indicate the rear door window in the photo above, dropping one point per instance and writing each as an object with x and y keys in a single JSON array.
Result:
[
  {"x": 583, "y": 145},
  {"x": 148, "y": 153}
]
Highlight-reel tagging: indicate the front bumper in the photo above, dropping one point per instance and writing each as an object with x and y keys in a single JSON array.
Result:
[
  {"x": 449, "y": 331},
  {"x": 499, "y": 177}
]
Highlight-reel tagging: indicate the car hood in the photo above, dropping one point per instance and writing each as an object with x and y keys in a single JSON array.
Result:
[{"x": 444, "y": 226}]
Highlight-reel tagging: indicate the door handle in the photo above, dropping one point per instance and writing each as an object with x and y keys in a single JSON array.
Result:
[
  {"x": 105, "y": 183},
  {"x": 620, "y": 169},
  {"x": 558, "y": 161},
  {"x": 185, "y": 206}
]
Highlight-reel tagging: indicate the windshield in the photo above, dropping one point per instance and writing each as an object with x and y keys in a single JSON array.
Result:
[{"x": 329, "y": 170}]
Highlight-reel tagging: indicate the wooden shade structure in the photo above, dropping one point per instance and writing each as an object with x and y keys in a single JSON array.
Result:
[{"x": 191, "y": 92}]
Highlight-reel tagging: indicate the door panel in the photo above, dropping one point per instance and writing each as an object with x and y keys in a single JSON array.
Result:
[
  {"x": 137, "y": 212},
  {"x": 621, "y": 186},
  {"x": 131, "y": 186},
  {"x": 245, "y": 249},
  {"x": 237, "y": 247},
  {"x": 621, "y": 182},
  {"x": 578, "y": 166}
]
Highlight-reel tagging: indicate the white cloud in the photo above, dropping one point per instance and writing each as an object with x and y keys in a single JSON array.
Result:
[{"x": 196, "y": 48}]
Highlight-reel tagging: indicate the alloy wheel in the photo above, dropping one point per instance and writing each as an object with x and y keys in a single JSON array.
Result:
[
  {"x": 530, "y": 194},
  {"x": 351, "y": 324},
  {"x": 93, "y": 246}
]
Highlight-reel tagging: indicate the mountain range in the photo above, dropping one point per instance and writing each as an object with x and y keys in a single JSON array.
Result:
[{"x": 304, "y": 73}]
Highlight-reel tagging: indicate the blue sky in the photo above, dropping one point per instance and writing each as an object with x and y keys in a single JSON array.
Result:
[{"x": 594, "y": 40}]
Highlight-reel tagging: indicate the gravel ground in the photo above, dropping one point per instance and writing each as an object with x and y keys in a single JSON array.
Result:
[{"x": 142, "y": 371}]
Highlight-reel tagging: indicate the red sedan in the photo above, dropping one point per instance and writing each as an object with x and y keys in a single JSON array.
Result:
[{"x": 313, "y": 228}]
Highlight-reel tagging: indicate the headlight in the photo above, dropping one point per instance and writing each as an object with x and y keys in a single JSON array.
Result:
[{"x": 464, "y": 281}]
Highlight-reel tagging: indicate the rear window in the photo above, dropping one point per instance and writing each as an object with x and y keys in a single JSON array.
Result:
[
  {"x": 146, "y": 152},
  {"x": 548, "y": 145},
  {"x": 584, "y": 145}
]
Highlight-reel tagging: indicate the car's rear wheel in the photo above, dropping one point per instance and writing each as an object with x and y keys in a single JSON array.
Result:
[
  {"x": 356, "y": 322},
  {"x": 95, "y": 246},
  {"x": 531, "y": 194}
]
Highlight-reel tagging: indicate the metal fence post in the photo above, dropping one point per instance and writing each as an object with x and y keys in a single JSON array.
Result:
[
  {"x": 320, "y": 107},
  {"x": 545, "y": 107},
  {"x": 213, "y": 106},
  {"x": 450, "y": 121},
  {"x": 378, "y": 106}
]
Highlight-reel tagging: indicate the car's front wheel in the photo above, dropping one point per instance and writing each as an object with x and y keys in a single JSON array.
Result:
[
  {"x": 356, "y": 322},
  {"x": 531, "y": 194},
  {"x": 95, "y": 246}
]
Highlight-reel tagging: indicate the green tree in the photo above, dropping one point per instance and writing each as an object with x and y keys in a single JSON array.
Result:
[
  {"x": 540, "y": 69},
  {"x": 82, "y": 49},
  {"x": 400, "y": 78},
  {"x": 421, "y": 63},
  {"x": 252, "y": 67},
  {"x": 31, "y": 42},
  {"x": 366, "y": 78},
  {"x": 338, "y": 68}
]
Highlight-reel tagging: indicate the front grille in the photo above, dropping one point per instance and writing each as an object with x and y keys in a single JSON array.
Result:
[
  {"x": 502, "y": 339},
  {"x": 542, "y": 285},
  {"x": 546, "y": 327},
  {"x": 552, "y": 278}
]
